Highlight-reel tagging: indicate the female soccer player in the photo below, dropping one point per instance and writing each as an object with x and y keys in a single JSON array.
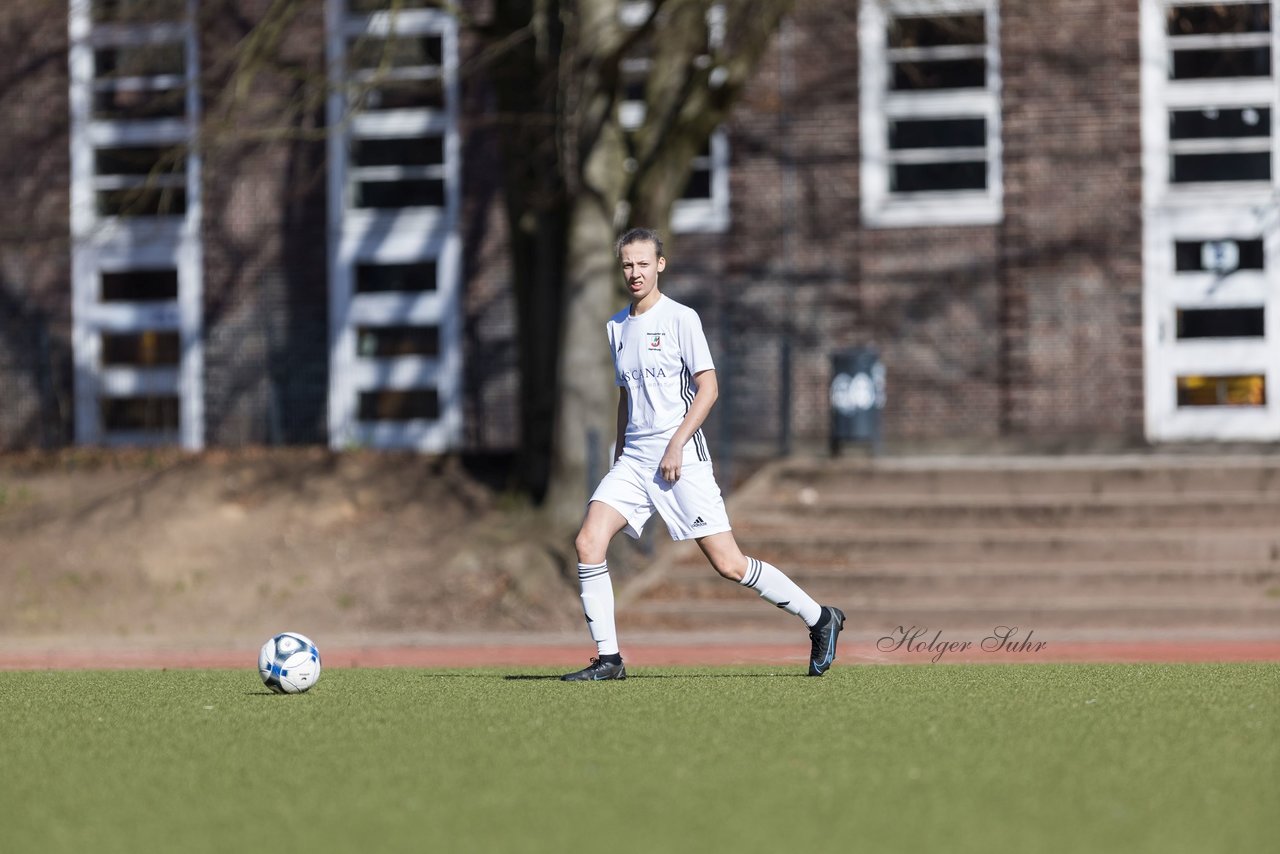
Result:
[{"x": 667, "y": 386}]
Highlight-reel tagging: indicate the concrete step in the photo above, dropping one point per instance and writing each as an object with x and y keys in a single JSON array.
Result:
[
  {"x": 1112, "y": 543},
  {"x": 1184, "y": 512},
  {"x": 969, "y": 590},
  {"x": 972, "y": 545},
  {"x": 1035, "y": 475},
  {"x": 1078, "y": 572}
]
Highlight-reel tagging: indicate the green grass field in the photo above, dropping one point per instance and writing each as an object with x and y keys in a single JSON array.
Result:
[{"x": 1033, "y": 758}]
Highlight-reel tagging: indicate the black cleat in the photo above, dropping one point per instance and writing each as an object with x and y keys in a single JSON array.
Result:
[
  {"x": 597, "y": 671},
  {"x": 823, "y": 651}
]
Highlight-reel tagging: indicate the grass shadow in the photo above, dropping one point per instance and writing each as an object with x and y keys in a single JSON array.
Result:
[
  {"x": 522, "y": 677},
  {"x": 718, "y": 676}
]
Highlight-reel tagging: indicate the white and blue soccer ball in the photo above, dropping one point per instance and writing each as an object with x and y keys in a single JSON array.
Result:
[{"x": 289, "y": 663}]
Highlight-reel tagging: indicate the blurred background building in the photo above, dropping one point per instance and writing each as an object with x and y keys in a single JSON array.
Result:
[{"x": 1058, "y": 222}]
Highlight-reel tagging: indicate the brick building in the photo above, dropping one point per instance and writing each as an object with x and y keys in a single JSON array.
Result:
[{"x": 1058, "y": 221}]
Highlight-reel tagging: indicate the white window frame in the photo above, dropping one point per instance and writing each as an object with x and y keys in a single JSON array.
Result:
[
  {"x": 1166, "y": 291},
  {"x": 878, "y": 106},
  {"x": 1160, "y": 96},
  {"x": 1223, "y": 211},
  {"x": 105, "y": 244},
  {"x": 393, "y": 236},
  {"x": 688, "y": 216}
]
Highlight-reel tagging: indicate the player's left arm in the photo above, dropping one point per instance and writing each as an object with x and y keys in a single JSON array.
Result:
[{"x": 703, "y": 400}]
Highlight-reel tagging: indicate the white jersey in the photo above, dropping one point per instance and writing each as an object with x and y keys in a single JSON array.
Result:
[{"x": 655, "y": 357}]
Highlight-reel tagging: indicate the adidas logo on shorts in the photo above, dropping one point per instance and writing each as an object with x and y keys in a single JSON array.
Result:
[{"x": 698, "y": 523}]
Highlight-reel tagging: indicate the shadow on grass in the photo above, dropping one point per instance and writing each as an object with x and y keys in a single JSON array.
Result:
[{"x": 522, "y": 677}]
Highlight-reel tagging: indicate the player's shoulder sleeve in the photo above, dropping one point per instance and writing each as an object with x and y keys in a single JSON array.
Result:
[
  {"x": 693, "y": 341},
  {"x": 613, "y": 332},
  {"x": 620, "y": 317}
]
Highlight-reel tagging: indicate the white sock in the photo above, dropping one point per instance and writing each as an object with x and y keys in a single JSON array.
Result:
[
  {"x": 775, "y": 588},
  {"x": 597, "y": 604}
]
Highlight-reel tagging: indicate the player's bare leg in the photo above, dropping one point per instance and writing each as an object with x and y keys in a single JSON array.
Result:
[
  {"x": 601, "y": 524},
  {"x": 824, "y": 621},
  {"x": 725, "y": 556}
]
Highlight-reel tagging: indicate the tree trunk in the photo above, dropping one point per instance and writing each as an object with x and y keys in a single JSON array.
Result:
[
  {"x": 586, "y": 424},
  {"x": 587, "y": 416},
  {"x": 575, "y": 177}
]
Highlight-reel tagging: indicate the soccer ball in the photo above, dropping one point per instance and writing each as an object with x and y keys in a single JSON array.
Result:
[{"x": 289, "y": 663}]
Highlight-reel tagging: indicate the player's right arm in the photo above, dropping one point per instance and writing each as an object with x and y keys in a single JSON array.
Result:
[{"x": 622, "y": 423}]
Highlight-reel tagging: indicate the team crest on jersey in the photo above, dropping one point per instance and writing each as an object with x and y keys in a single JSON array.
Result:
[{"x": 655, "y": 340}]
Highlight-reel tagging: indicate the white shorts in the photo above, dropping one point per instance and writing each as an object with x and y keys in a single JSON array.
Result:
[{"x": 691, "y": 507}]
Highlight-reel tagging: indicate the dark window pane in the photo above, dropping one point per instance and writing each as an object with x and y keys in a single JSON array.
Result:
[
  {"x": 383, "y": 278},
  {"x": 633, "y": 87},
  {"x": 940, "y": 74},
  {"x": 424, "y": 193},
  {"x": 397, "y": 52},
  {"x": 1219, "y": 124},
  {"x": 1224, "y": 62},
  {"x": 699, "y": 185},
  {"x": 938, "y": 133},
  {"x": 418, "y": 151},
  {"x": 140, "y": 286},
  {"x": 1220, "y": 323},
  {"x": 925, "y": 177},
  {"x": 404, "y": 95},
  {"x": 1235, "y": 166},
  {"x": 634, "y": 69},
  {"x": 1190, "y": 255},
  {"x": 161, "y": 104},
  {"x": 377, "y": 342},
  {"x": 1219, "y": 18},
  {"x": 144, "y": 61},
  {"x": 937, "y": 31},
  {"x": 158, "y": 201},
  {"x": 154, "y": 414},
  {"x": 143, "y": 349},
  {"x": 1237, "y": 390},
  {"x": 140, "y": 160},
  {"x": 139, "y": 11},
  {"x": 399, "y": 405}
]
